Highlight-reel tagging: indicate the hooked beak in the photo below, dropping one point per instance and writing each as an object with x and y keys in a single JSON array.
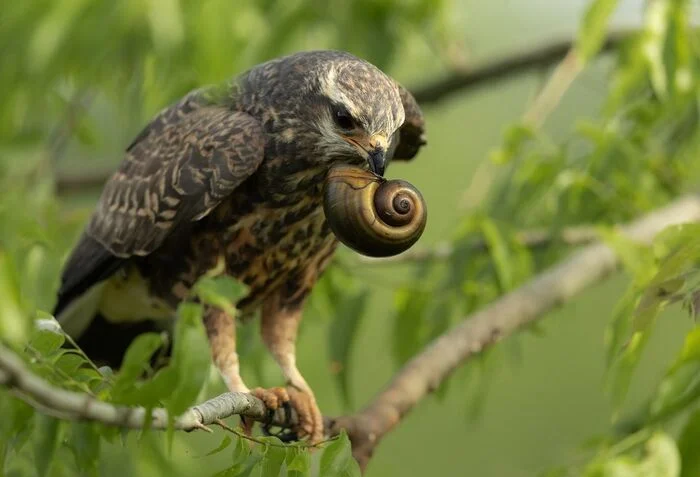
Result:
[
  {"x": 374, "y": 149},
  {"x": 377, "y": 154},
  {"x": 376, "y": 160}
]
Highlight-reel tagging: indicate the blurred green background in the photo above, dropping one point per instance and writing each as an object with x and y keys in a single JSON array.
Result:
[{"x": 543, "y": 396}]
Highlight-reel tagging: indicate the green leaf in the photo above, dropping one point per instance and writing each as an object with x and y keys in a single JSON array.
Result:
[
  {"x": 594, "y": 26},
  {"x": 241, "y": 451},
  {"x": 298, "y": 462},
  {"x": 69, "y": 363},
  {"x": 221, "y": 292},
  {"x": 136, "y": 362},
  {"x": 635, "y": 257},
  {"x": 191, "y": 358},
  {"x": 13, "y": 321},
  {"x": 85, "y": 442},
  {"x": 223, "y": 445},
  {"x": 342, "y": 333},
  {"x": 688, "y": 445},
  {"x": 679, "y": 388},
  {"x": 516, "y": 138},
  {"x": 624, "y": 367},
  {"x": 499, "y": 253},
  {"x": 337, "y": 459},
  {"x": 656, "y": 28},
  {"x": 663, "y": 458},
  {"x": 46, "y": 341},
  {"x": 272, "y": 460},
  {"x": 411, "y": 306},
  {"x": 18, "y": 425},
  {"x": 46, "y": 442}
]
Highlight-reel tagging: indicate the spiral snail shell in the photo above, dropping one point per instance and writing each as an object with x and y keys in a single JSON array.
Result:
[{"x": 371, "y": 215}]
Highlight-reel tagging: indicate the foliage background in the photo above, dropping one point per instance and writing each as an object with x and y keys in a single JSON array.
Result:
[{"x": 622, "y": 141}]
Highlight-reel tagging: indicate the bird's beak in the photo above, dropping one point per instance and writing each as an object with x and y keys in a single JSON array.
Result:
[
  {"x": 377, "y": 154},
  {"x": 373, "y": 148}
]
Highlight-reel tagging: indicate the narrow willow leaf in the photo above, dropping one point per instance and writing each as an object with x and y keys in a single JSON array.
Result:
[
  {"x": 677, "y": 390},
  {"x": 272, "y": 461},
  {"x": 656, "y": 27},
  {"x": 342, "y": 334},
  {"x": 411, "y": 306},
  {"x": 19, "y": 422},
  {"x": 691, "y": 348},
  {"x": 688, "y": 445},
  {"x": 221, "y": 291},
  {"x": 69, "y": 363},
  {"x": 635, "y": 257},
  {"x": 298, "y": 462},
  {"x": 516, "y": 138},
  {"x": 499, "y": 253},
  {"x": 662, "y": 457},
  {"x": 593, "y": 28},
  {"x": 136, "y": 362},
  {"x": 241, "y": 451},
  {"x": 46, "y": 342},
  {"x": 337, "y": 459},
  {"x": 624, "y": 367},
  {"x": 85, "y": 442},
  {"x": 14, "y": 324},
  {"x": 191, "y": 358},
  {"x": 46, "y": 442},
  {"x": 225, "y": 442},
  {"x": 440, "y": 319},
  {"x": 683, "y": 79},
  {"x": 252, "y": 465},
  {"x": 154, "y": 391}
]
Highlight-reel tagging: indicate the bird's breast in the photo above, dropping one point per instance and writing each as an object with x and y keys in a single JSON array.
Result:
[{"x": 272, "y": 245}]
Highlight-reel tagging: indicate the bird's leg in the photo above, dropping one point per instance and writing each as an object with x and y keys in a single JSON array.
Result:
[
  {"x": 221, "y": 331},
  {"x": 279, "y": 326}
]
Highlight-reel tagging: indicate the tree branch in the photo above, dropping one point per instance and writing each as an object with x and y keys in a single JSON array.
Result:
[
  {"x": 511, "y": 65},
  {"x": 515, "y": 310},
  {"x": 71, "y": 405}
]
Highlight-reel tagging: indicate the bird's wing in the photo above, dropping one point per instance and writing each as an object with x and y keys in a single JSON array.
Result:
[
  {"x": 412, "y": 132},
  {"x": 176, "y": 171}
]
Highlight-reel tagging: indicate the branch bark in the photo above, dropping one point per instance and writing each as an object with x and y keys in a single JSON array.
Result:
[
  {"x": 515, "y": 310},
  {"x": 71, "y": 405},
  {"x": 511, "y": 65}
]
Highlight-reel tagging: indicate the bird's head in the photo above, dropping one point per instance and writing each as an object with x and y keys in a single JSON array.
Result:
[{"x": 358, "y": 111}]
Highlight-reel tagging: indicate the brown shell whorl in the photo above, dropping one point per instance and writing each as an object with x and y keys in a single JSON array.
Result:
[{"x": 373, "y": 216}]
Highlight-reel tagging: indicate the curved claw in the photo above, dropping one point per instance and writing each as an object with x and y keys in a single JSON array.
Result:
[{"x": 285, "y": 434}]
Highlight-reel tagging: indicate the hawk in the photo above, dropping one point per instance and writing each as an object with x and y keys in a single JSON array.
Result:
[{"x": 230, "y": 180}]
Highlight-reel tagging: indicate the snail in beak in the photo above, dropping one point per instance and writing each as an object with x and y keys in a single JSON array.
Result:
[{"x": 374, "y": 216}]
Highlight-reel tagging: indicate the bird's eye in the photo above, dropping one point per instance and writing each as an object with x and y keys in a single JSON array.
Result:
[{"x": 343, "y": 119}]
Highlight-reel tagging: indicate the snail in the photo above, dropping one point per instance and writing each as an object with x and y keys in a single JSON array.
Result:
[{"x": 372, "y": 215}]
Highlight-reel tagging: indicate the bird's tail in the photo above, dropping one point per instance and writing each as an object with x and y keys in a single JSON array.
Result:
[{"x": 103, "y": 341}]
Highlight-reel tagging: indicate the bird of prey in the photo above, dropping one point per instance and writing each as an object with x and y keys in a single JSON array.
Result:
[{"x": 230, "y": 180}]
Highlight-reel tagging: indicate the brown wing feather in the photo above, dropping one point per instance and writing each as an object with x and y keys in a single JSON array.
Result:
[
  {"x": 174, "y": 175},
  {"x": 412, "y": 132},
  {"x": 177, "y": 170}
]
